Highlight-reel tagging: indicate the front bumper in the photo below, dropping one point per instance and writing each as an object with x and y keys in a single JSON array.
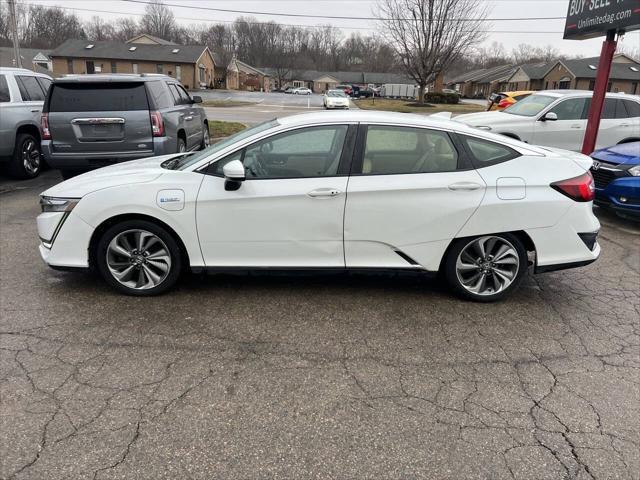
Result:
[
  {"x": 621, "y": 195},
  {"x": 64, "y": 240}
]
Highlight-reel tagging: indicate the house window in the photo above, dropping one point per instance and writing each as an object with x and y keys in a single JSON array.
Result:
[
  {"x": 592, "y": 84},
  {"x": 159, "y": 68},
  {"x": 91, "y": 68},
  {"x": 178, "y": 72},
  {"x": 634, "y": 88},
  {"x": 114, "y": 67},
  {"x": 135, "y": 67},
  {"x": 298, "y": 84},
  {"x": 609, "y": 86},
  {"x": 202, "y": 75},
  {"x": 69, "y": 65}
]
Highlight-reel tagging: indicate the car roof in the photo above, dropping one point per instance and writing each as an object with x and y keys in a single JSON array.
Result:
[
  {"x": 112, "y": 77},
  {"x": 22, "y": 71},
  {"x": 373, "y": 116},
  {"x": 582, "y": 93}
]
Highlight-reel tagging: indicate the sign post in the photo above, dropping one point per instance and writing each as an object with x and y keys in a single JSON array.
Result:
[{"x": 596, "y": 18}]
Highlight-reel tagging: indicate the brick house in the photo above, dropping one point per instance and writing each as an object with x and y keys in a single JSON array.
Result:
[
  {"x": 192, "y": 65},
  {"x": 242, "y": 76}
]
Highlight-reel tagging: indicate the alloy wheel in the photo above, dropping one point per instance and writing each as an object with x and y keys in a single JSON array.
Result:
[
  {"x": 138, "y": 259},
  {"x": 487, "y": 265},
  {"x": 206, "y": 140},
  {"x": 31, "y": 157}
]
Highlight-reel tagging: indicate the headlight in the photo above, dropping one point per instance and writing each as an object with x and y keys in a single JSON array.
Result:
[
  {"x": 635, "y": 171},
  {"x": 53, "y": 204},
  {"x": 483, "y": 127}
]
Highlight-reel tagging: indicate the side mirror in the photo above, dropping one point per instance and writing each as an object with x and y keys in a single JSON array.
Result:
[
  {"x": 196, "y": 99},
  {"x": 549, "y": 116},
  {"x": 233, "y": 174}
]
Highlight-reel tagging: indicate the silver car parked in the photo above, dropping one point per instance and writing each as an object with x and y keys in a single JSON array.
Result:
[
  {"x": 90, "y": 121},
  {"x": 22, "y": 93}
]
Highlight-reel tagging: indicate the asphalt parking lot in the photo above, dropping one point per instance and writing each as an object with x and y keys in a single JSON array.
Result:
[{"x": 345, "y": 377}]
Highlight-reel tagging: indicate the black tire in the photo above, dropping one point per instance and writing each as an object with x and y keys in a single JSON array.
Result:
[
  {"x": 206, "y": 139},
  {"x": 173, "y": 248},
  {"x": 455, "y": 282},
  {"x": 182, "y": 145},
  {"x": 26, "y": 161}
]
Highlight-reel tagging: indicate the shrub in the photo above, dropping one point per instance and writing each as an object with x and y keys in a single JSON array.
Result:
[{"x": 441, "y": 97}]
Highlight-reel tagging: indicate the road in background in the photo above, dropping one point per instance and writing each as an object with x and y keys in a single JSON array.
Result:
[{"x": 343, "y": 376}]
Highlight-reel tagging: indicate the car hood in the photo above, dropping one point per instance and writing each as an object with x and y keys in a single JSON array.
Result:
[
  {"x": 486, "y": 118},
  {"x": 623, "y": 154},
  {"x": 126, "y": 173}
]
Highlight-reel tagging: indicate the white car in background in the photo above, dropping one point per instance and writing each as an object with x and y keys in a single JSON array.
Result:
[
  {"x": 558, "y": 118},
  {"x": 302, "y": 91},
  {"x": 350, "y": 190},
  {"x": 335, "y": 99}
]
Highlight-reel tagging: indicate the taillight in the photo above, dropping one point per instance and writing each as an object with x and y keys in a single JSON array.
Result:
[
  {"x": 504, "y": 103},
  {"x": 157, "y": 124},
  {"x": 580, "y": 189},
  {"x": 44, "y": 126}
]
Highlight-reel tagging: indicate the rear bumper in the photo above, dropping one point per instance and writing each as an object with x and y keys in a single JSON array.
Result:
[{"x": 88, "y": 160}]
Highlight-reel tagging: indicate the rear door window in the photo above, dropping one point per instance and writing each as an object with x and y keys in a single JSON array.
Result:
[
  {"x": 30, "y": 89},
  {"x": 96, "y": 97},
  {"x": 45, "y": 83},
  {"x": 4, "y": 90}
]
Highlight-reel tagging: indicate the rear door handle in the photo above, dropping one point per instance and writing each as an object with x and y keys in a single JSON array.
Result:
[
  {"x": 324, "y": 192},
  {"x": 188, "y": 118},
  {"x": 576, "y": 126},
  {"x": 625, "y": 125},
  {"x": 465, "y": 186},
  {"x": 35, "y": 110}
]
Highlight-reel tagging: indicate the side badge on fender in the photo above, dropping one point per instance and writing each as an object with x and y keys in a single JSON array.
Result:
[{"x": 171, "y": 200}]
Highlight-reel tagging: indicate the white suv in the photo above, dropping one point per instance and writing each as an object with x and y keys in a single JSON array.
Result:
[
  {"x": 22, "y": 93},
  {"x": 558, "y": 118}
]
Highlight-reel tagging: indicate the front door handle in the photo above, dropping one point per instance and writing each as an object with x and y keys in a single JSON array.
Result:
[
  {"x": 625, "y": 125},
  {"x": 576, "y": 126},
  {"x": 324, "y": 192},
  {"x": 189, "y": 118},
  {"x": 465, "y": 186}
]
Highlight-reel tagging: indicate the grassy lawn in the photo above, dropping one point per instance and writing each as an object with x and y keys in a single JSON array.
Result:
[
  {"x": 225, "y": 103},
  {"x": 407, "y": 106},
  {"x": 219, "y": 129}
]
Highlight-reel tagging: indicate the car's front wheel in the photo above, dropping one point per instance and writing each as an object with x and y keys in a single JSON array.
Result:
[
  {"x": 138, "y": 257},
  {"x": 206, "y": 139},
  {"x": 486, "y": 268}
]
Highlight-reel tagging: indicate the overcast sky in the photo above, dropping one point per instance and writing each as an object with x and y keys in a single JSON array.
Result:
[{"x": 517, "y": 30}]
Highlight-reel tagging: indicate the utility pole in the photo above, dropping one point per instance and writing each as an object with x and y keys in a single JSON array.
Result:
[{"x": 14, "y": 31}]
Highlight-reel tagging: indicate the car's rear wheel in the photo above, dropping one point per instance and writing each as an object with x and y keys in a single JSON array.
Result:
[
  {"x": 182, "y": 145},
  {"x": 486, "y": 268},
  {"x": 138, "y": 257},
  {"x": 206, "y": 139},
  {"x": 26, "y": 161}
]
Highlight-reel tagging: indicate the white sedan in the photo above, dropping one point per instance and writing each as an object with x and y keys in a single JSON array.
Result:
[
  {"x": 356, "y": 190},
  {"x": 302, "y": 91},
  {"x": 558, "y": 118},
  {"x": 335, "y": 99}
]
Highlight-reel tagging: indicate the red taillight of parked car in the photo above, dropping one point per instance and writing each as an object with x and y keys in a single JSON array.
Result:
[
  {"x": 580, "y": 189},
  {"x": 44, "y": 126},
  {"x": 504, "y": 103},
  {"x": 157, "y": 124}
]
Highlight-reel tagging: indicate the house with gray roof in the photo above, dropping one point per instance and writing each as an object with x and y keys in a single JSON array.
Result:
[
  {"x": 192, "y": 65},
  {"x": 35, "y": 59}
]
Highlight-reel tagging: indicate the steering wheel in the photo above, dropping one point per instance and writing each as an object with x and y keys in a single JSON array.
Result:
[{"x": 256, "y": 168}]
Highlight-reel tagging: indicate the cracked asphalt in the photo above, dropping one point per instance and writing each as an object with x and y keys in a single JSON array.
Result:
[{"x": 293, "y": 377}]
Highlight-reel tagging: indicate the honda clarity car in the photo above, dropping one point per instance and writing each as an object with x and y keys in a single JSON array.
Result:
[
  {"x": 331, "y": 191},
  {"x": 616, "y": 171}
]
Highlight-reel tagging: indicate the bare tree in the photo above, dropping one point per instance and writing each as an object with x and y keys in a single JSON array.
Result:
[
  {"x": 98, "y": 29},
  {"x": 49, "y": 27},
  {"x": 125, "y": 28},
  {"x": 158, "y": 20},
  {"x": 525, "y": 53},
  {"x": 428, "y": 35}
]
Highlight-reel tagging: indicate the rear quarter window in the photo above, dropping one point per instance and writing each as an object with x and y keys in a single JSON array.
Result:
[
  {"x": 4, "y": 90},
  {"x": 160, "y": 94},
  {"x": 633, "y": 108},
  {"x": 98, "y": 97},
  {"x": 485, "y": 153}
]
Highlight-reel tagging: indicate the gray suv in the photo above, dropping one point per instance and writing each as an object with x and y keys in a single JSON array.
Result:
[
  {"x": 90, "y": 121},
  {"x": 22, "y": 94}
]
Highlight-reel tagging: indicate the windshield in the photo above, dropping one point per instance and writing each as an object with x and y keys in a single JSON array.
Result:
[
  {"x": 530, "y": 106},
  {"x": 336, "y": 93},
  {"x": 185, "y": 161}
]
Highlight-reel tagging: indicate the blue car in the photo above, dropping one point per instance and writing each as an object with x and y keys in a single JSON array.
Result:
[{"x": 616, "y": 172}]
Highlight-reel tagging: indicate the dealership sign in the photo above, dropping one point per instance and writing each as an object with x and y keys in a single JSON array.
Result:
[{"x": 594, "y": 18}]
